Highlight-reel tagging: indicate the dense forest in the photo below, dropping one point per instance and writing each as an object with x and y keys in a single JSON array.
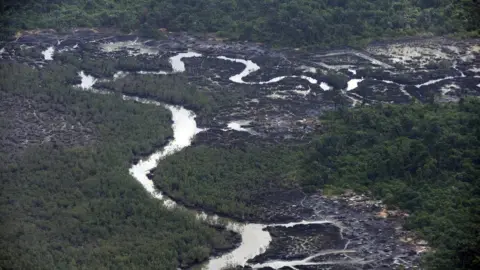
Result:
[
  {"x": 68, "y": 204},
  {"x": 239, "y": 174},
  {"x": 319, "y": 23},
  {"x": 421, "y": 158}
]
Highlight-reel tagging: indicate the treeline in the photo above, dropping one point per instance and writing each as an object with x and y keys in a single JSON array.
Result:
[
  {"x": 77, "y": 207},
  {"x": 420, "y": 158},
  {"x": 322, "y": 23}
]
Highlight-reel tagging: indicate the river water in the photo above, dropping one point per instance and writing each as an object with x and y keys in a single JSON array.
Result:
[{"x": 48, "y": 53}]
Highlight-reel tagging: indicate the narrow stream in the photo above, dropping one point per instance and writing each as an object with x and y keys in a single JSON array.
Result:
[
  {"x": 434, "y": 81},
  {"x": 251, "y": 67}
]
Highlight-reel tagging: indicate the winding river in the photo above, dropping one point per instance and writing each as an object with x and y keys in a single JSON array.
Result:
[{"x": 255, "y": 237}]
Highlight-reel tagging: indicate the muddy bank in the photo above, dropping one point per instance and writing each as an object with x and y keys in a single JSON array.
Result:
[{"x": 365, "y": 233}]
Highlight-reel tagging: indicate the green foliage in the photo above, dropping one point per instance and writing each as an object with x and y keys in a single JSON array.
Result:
[
  {"x": 301, "y": 22},
  {"x": 77, "y": 207},
  {"x": 421, "y": 158},
  {"x": 226, "y": 180}
]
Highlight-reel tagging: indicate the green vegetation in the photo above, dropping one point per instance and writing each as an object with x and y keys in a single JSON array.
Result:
[
  {"x": 239, "y": 176},
  {"x": 421, "y": 158},
  {"x": 302, "y": 22},
  {"x": 71, "y": 206}
]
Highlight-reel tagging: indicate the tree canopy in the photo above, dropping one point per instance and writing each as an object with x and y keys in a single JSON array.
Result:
[{"x": 321, "y": 23}]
